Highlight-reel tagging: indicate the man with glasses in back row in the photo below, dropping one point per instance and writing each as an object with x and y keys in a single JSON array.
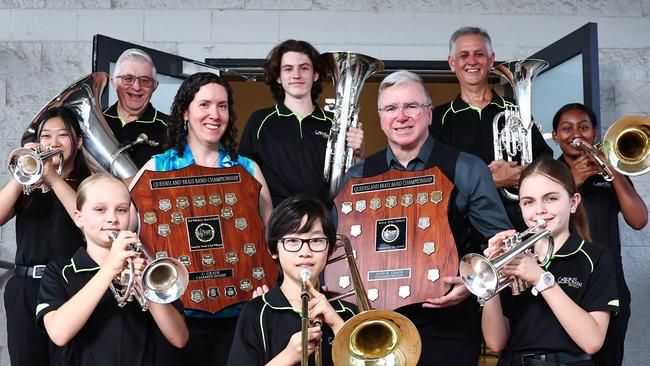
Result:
[{"x": 134, "y": 80}]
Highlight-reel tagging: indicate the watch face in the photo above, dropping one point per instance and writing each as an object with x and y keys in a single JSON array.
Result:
[{"x": 548, "y": 279}]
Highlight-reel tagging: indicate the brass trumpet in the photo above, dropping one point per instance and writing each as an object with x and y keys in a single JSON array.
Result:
[
  {"x": 163, "y": 280},
  {"x": 481, "y": 275},
  {"x": 27, "y": 166}
]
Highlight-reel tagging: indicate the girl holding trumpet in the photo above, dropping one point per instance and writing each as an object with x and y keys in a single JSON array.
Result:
[
  {"x": 563, "y": 319},
  {"x": 603, "y": 199},
  {"x": 300, "y": 235},
  {"x": 75, "y": 305}
]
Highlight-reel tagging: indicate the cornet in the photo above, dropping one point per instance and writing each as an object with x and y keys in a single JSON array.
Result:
[
  {"x": 604, "y": 168},
  {"x": 26, "y": 166},
  {"x": 481, "y": 275},
  {"x": 163, "y": 280}
]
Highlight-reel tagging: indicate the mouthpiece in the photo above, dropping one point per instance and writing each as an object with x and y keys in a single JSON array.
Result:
[
  {"x": 541, "y": 223},
  {"x": 305, "y": 275},
  {"x": 113, "y": 235}
]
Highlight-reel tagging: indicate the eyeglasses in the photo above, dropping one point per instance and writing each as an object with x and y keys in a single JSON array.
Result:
[
  {"x": 295, "y": 244},
  {"x": 145, "y": 81},
  {"x": 410, "y": 110}
]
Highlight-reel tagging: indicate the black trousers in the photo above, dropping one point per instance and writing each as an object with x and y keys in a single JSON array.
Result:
[
  {"x": 28, "y": 344},
  {"x": 210, "y": 341}
]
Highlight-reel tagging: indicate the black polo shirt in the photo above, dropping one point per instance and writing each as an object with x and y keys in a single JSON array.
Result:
[
  {"x": 111, "y": 335},
  {"x": 44, "y": 230},
  {"x": 266, "y": 324},
  {"x": 585, "y": 272},
  {"x": 469, "y": 129},
  {"x": 151, "y": 122},
  {"x": 289, "y": 150}
]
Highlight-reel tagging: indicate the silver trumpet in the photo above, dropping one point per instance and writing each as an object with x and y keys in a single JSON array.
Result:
[
  {"x": 306, "y": 322},
  {"x": 605, "y": 172},
  {"x": 481, "y": 275},
  {"x": 27, "y": 166},
  {"x": 163, "y": 280}
]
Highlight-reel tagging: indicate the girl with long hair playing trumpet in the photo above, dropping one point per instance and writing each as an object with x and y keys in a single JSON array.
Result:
[
  {"x": 301, "y": 235},
  {"x": 563, "y": 319},
  {"x": 75, "y": 305}
]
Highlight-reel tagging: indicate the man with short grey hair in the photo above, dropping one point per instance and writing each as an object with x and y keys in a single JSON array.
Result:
[
  {"x": 134, "y": 81},
  {"x": 450, "y": 328}
]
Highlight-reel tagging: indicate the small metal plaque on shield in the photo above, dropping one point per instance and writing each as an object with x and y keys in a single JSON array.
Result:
[
  {"x": 390, "y": 234},
  {"x": 182, "y": 202},
  {"x": 196, "y": 296},
  {"x": 230, "y": 198},
  {"x": 230, "y": 291},
  {"x": 204, "y": 232},
  {"x": 391, "y": 201},
  {"x": 215, "y": 199},
  {"x": 250, "y": 249},
  {"x": 373, "y": 294},
  {"x": 360, "y": 205},
  {"x": 164, "y": 230},
  {"x": 246, "y": 285},
  {"x": 423, "y": 197},
  {"x": 429, "y": 247},
  {"x": 355, "y": 230},
  {"x": 404, "y": 291},
  {"x": 346, "y": 207},
  {"x": 149, "y": 218},
  {"x": 375, "y": 203},
  {"x": 240, "y": 223},
  {"x": 258, "y": 273},
  {"x": 436, "y": 197},
  {"x": 207, "y": 259},
  {"x": 198, "y": 200},
  {"x": 161, "y": 254},
  {"x": 177, "y": 218},
  {"x": 226, "y": 213},
  {"x": 165, "y": 204},
  {"x": 433, "y": 274},
  {"x": 185, "y": 259},
  {"x": 407, "y": 200},
  {"x": 344, "y": 281},
  {"x": 424, "y": 222},
  {"x": 231, "y": 258},
  {"x": 213, "y": 292}
]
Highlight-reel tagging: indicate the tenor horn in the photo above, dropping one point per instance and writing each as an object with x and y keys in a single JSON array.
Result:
[
  {"x": 515, "y": 137},
  {"x": 349, "y": 72},
  {"x": 373, "y": 337},
  {"x": 626, "y": 145}
]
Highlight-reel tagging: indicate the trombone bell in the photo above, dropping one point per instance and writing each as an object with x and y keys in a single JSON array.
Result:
[{"x": 626, "y": 145}]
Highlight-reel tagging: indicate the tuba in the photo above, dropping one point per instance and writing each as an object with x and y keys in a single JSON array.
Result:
[
  {"x": 163, "y": 280},
  {"x": 373, "y": 337},
  {"x": 515, "y": 137},
  {"x": 349, "y": 72},
  {"x": 26, "y": 166},
  {"x": 481, "y": 275},
  {"x": 626, "y": 145}
]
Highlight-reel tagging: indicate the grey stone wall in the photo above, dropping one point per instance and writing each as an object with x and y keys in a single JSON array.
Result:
[{"x": 46, "y": 44}]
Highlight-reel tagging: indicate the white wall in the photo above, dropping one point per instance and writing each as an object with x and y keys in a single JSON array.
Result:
[{"x": 46, "y": 44}]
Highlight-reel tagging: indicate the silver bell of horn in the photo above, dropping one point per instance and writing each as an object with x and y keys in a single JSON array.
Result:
[{"x": 27, "y": 166}]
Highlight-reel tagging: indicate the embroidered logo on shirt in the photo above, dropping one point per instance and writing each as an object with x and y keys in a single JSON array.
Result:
[
  {"x": 602, "y": 185},
  {"x": 323, "y": 134},
  {"x": 570, "y": 281}
]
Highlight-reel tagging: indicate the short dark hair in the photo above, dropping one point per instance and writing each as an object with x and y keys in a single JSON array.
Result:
[
  {"x": 287, "y": 217},
  {"x": 273, "y": 64},
  {"x": 577, "y": 106},
  {"x": 185, "y": 96}
]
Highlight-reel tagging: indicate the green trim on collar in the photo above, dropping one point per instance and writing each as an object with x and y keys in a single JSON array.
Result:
[
  {"x": 259, "y": 130},
  {"x": 579, "y": 249},
  {"x": 262, "y": 324}
]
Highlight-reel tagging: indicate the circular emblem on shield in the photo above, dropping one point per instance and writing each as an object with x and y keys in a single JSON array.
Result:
[
  {"x": 149, "y": 218},
  {"x": 373, "y": 294},
  {"x": 436, "y": 197},
  {"x": 407, "y": 200},
  {"x": 344, "y": 281},
  {"x": 390, "y": 233},
  {"x": 258, "y": 273},
  {"x": 404, "y": 291},
  {"x": 207, "y": 259},
  {"x": 429, "y": 247},
  {"x": 231, "y": 258},
  {"x": 424, "y": 222},
  {"x": 226, "y": 213},
  {"x": 391, "y": 201},
  {"x": 185, "y": 259},
  {"x": 230, "y": 198},
  {"x": 250, "y": 249},
  {"x": 177, "y": 218},
  {"x": 196, "y": 296},
  {"x": 240, "y": 223},
  {"x": 215, "y": 199},
  {"x": 165, "y": 204},
  {"x": 433, "y": 274},
  {"x": 213, "y": 292},
  {"x": 346, "y": 207},
  {"x": 182, "y": 202},
  {"x": 164, "y": 230},
  {"x": 204, "y": 232},
  {"x": 355, "y": 230},
  {"x": 360, "y": 205},
  {"x": 246, "y": 285},
  {"x": 230, "y": 291},
  {"x": 199, "y": 200},
  {"x": 423, "y": 197},
  {"x": 375, "y": 203}
]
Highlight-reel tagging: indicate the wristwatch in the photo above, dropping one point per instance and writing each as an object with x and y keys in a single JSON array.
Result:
[{"x": 546, "y": 281}]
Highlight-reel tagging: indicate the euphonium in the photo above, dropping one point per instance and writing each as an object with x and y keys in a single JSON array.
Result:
[
  {"x": 163, "y": 280},
  {"x": 515, "y": 137},
  {"x": 306, "y": 322},
  {"x": 27, "y": 166},
  {"x": 349, "y": 72},
  {"x": 481, "y": 275},
  {"x": 605, "y": 172}
]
